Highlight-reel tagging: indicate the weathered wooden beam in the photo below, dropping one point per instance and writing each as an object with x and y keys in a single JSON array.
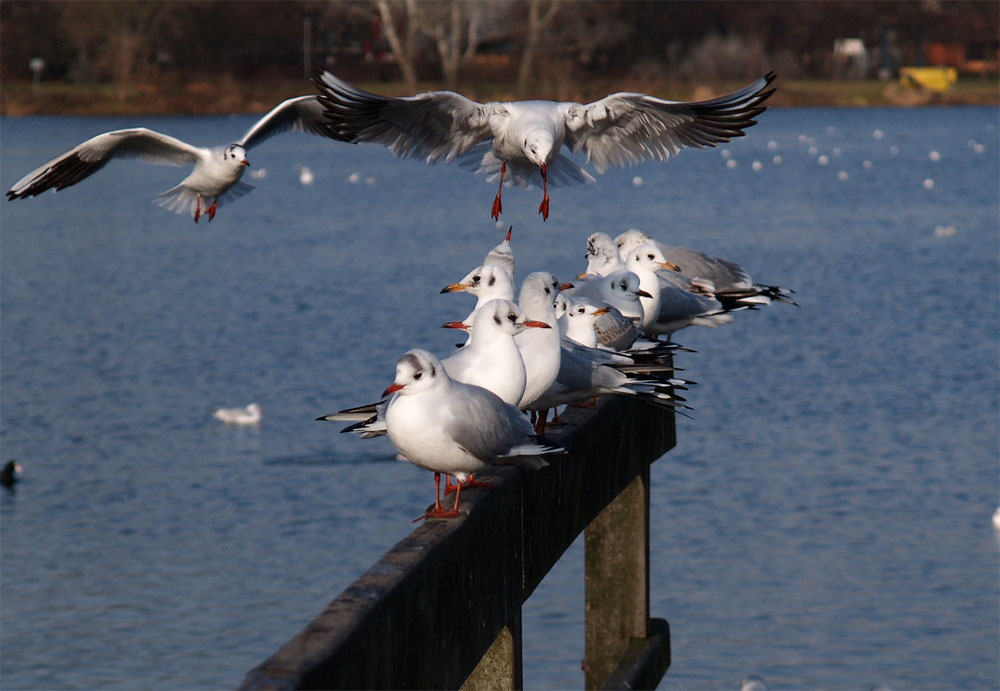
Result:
[
  {"x": 616, "y": 574},
  {"x": 645, "y": 661},
  {"x": 424, "y": 615}
]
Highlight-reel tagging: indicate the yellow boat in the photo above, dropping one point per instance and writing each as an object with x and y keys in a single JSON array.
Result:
[{"x": 939, "y": 79}]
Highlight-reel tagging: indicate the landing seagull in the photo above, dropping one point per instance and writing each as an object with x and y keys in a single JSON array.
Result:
[
  {"x": 217, "y": 171},
  {"x": 514, "y": 139}
]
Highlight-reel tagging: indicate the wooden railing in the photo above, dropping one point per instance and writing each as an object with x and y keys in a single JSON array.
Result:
[{"x": 442, "y": 609}]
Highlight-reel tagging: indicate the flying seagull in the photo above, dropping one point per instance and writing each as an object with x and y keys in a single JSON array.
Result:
[
  {"x": 217, "y": 171},
  {"x": 513, "y": 140}
]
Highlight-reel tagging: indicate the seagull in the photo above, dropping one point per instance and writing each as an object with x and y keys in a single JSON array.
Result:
[
  {"x": 540, "y": 348},
  {"x": 579, "y": 317},
  {"x": 249, "y": 415},
  {"x": 602, "y": 256},
  {"x": 502, "y": 255},
  {"x": 517, "y": 140},
  {"x": 669, "y": 306},
  {"x": 216, "y": 173},
  {"x": 306, "y": 176},
  {"x": 491, "y": 358},
  {"x": 487, "y": 282},
  {"x": 449, "y": 427},
  {"x": 729, "y": 278}
]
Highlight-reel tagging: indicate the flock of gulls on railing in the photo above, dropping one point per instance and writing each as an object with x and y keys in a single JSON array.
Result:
[{"x": 559, "y": 343}]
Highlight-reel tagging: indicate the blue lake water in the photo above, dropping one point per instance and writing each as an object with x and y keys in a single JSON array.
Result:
[{"x": 824, "y": 521}]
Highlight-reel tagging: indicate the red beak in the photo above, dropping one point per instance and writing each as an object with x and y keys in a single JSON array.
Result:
[
  {"x": 507, "y": 239},
  {"x": 245, "y": 162},
  {"x": 537, "y": 324},
  {"x": 393, "y": 388},
  {"x": 454, "y": 325}
]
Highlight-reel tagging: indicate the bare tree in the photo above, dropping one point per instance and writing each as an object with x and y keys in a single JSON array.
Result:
[
  {"x": 541, "y": 14},
  {"x": 404, "y": 48},
  {"x": 454, "y": 27}
]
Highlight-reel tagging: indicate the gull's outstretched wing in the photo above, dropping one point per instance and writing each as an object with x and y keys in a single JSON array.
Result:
[
  {"x": 300, "y": 114},
  {"x": 435, "y": 126},
  {"x": 89, "y": 157},
  {"x": 627, "y": 128}
]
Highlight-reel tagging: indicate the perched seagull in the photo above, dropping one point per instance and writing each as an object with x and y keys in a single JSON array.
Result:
[
  {"x": 619, "y": 289},
  {"x": 250, "y": 415},
  {"x": 540, "y": 348},
  {"x": 491, "y": 358},
  {"x": 502, "y": 255},
  {"x": 487, "y": 282},
  {"x": 523, "y": 137},
  {"x": 580, "y": 318},
  {"x": 449, "y": 427},
  {"x": 217, "y": 171},
  {"x": 602, "y": 256},
  {"x": 729, "y": 278},
  {"x": 670, "y": 307}
]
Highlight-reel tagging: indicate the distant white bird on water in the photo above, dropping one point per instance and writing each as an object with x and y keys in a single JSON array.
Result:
[
  {"x": 523, "y": 138},
  {"x": 248, "y": 415},
  {"x": 306, "y": 176},
  {"x": 217, "y": 171},
  {"x": 996, "y": 518}
]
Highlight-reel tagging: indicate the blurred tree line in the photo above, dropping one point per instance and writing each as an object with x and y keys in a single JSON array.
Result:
[{"x": 536, "y": 44}]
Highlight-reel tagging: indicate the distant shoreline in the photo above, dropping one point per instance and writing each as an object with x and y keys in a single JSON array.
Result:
[{"x": 229, "y": 96}]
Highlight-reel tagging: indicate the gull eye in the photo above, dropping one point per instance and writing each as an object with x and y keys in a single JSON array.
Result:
[
  {"x": 511, "y": 316},
  {"x": 649, "y": 256},
  {"x": 417, "y": 375},
  {"x": 580, "y": 311},
  {"x": 477, "y": 278}
]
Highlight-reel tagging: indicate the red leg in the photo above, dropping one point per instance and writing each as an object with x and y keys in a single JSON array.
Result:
[
  {"x": 497, "y": 205},
  {"x": 449, "y": 486},
  {"x": 212, "y": 208},
  {"x": 540, "y": 425},
  {"x": 197, "y": 208},
  {"x": 543, "y": 208},
  {"x": 437, "y": 500},
  {"x": 454, "y": 512},
  {"x": 470, "y": 481}
]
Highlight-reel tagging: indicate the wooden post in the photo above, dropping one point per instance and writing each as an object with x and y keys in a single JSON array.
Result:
[
  {"x": 500, "y": 668},
  {"x": 424, "y": 615},
  {"x": 616, "y": 568}
]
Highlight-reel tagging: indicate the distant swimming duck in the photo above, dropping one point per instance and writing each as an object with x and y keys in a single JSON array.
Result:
[
  {"x": 8, "y": 476},
  {"x": 250, "y": 415}
]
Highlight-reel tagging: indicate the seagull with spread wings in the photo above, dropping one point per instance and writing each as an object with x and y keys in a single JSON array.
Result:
[
  {"x": 216, "y": 173},
  {"x": 516, "y": 140}
]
